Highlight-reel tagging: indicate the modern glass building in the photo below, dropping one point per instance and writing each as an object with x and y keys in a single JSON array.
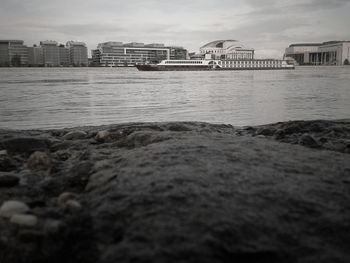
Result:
[
  {"x": 51, "y": 53},
  {"x": 13, "y": 53},
  {"x": 327, "y": 53},
  {"x": 77, "y": 53},
  {"x": 117, "y": 54}
]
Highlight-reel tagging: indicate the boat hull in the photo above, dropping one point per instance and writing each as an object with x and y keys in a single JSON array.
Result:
[{"x": 203, "y": 68}]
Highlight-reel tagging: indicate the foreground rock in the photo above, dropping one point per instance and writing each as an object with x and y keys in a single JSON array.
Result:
[{"x": 179, "y": 192}]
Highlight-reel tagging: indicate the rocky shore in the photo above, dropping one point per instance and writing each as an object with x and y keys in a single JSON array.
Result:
[{"x": 176, "y": 192}]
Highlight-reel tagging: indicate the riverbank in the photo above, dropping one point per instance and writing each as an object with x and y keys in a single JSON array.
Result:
[{"x": 176, "y": 192}]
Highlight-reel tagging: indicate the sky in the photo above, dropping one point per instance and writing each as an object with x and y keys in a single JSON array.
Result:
[{"x": 268, "y": 26}]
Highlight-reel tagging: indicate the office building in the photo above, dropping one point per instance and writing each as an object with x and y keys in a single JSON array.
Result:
[
  {"x": 13, "y": 53},
  {"x": 114, "y": 54},
  {"x": 51, "y": 53},
  {"x": 77, "y": 53},
  {"x": 327, "y": 53},
  {"x": 35, "y": 56},
  {"x": 64, "y": 56},
  {"x": 226, "y": 49}
]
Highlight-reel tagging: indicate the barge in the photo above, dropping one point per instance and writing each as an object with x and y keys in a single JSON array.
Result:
[{"x": 197, "y": 65}]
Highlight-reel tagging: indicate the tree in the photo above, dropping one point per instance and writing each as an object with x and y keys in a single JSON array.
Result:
[{"x": 346, "y": 62}]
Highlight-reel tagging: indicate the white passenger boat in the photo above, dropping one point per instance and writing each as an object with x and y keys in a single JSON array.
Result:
[{"x": 194, "y": 65}]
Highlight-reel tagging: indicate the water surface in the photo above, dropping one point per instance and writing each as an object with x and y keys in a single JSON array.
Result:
[{"x": 67, "y": 97}]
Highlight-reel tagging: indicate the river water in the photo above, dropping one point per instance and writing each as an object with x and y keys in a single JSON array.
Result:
[{"x": 68, "y": 97}]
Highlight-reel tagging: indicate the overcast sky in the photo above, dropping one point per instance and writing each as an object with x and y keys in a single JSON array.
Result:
[{"x": 266, "y": 25}]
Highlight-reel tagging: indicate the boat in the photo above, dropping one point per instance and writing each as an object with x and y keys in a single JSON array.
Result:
[{"x": 196, "y": 65}]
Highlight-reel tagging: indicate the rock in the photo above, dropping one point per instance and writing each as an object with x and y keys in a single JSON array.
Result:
[
  {"x": 73, "y": 206},
  {"x": 100, "y": 178},
  {"x": 265, "y": 131},
  {"x": 102, "y": 136},
  {"x": 8, "y": 180},
  {"x": 3, "y": 152},
  {"x": 26, "y": 145},
  {"x": 75, "y": 135},
  {"x": 12, "y": 207},
  {"x": 39, "y": 161},
  {"x": 24, "y": 220},
  {"x": 64, "y": 197},
  {"x": 7, "y": 163},
  {"x": 308, "y": 140},
  {"x": 52, "y": 226},
  {"x": 260, "y": 136}
]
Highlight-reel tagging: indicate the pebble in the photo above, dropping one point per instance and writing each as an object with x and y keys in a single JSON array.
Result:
[
  {"x": 12, "y": 207},
  {"x": 73, "y": 205},
  {"x": 39, "y": 161},
  {"x": 308, "y": 140},
  {"x": 3, "y": 152},
  {"x": 102, "y": 136},
  {"x": 24, "y": 220},
  {"x": 8, "y": 180},
  {"x": 75, "y": 135},
  {"x": 65, "y": 197}
]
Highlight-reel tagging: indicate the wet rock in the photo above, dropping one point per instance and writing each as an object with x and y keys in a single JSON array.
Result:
[
  {"x": 75, "y": 135},
  {"x": 3, "y": 152},
  {"x": 7, "y": 163},
  {"x": 12, "y": 207},
  {"x": 8, "y": 180},
  {"x": 178, "y": 127},
  {"x": 266, "y": 131},
  {"x": 309, "y": 141},
  {"x": 65, "y": 197},
  {"x": 24, "y": 145},
  {"x": 24, "y": 220},
  {"x": 100, "y": 178},
  {"x": 52, "y": 226},
  {"x": 72, "y": 206},
  {"x": 102, "y": 136},
  {"x": 39, "y": 161}
]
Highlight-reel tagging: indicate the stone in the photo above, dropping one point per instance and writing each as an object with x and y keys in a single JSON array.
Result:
[
  {"x": 8, "y": 180},
  {"x": 266, "y": 131},
  {"x": 73, "y": 205},
  {"x": 24, "y": 145},
  {"x": 12, "y": 207},
  {"x": 39, "y": 161},
  {"x": 52, "y": 226},
  {"x": 75, "y": 135},
  {"x": 3, "y": 152},
  {"x": 7, "y": 163},
  {"x": 102, "y": 136},
  {"x": 308, "y": 140},
  {"x": 24, "y": 220},
  {"x": 65, "y": 197},
  {"x": 100, "y": 178}
]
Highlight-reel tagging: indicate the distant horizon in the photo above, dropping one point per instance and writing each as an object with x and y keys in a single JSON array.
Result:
[{"x": 268, "y": 26}]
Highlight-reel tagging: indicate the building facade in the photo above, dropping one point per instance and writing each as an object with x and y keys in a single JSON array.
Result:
[
  {"x": 327, "y": 53},
  {"x": 227, "y": 49},
  {"x": 35, "y": 56},
  {"x": 51, "y": 53},
  {"x": 13, "y": 53},
  {"x": 77, "y": 53},
  {"x": 114, "y": 54}
]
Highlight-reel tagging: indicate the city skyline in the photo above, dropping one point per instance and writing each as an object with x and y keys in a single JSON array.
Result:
[{"x": 269, "y": 26}]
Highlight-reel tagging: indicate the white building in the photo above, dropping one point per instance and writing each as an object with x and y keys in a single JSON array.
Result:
[
  {"x": 51, "y": 53},
  {"x": 77, "y": 53},
  {"x": 228, "y": 49},
  {"x": 115, "y": 54},
  {"x": 327, "y": 53}
]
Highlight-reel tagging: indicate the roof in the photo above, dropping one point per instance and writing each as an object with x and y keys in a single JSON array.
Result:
[{"x": 218, "y": 43}]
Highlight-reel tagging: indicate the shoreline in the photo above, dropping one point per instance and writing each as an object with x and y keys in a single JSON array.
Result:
[{"x": 177, "y": 191}]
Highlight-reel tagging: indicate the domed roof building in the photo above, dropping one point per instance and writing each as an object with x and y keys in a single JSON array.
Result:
[{"x": 227, "y": 49}]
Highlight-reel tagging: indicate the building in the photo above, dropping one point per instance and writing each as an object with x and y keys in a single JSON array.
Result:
[
  {"x": 13, "y": 53},
  {"x": 327, "y": 53},
  {"x": 77, "y": 53},
  {"x": 51, "y": 53},
  {"x": 35, "y": 56},
  {"x": 113, "y": 54},
  {"x": 64, "y": 56},
  {"x": 227, "y": 49}
]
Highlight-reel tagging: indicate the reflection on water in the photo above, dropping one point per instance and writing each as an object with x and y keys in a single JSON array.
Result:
[{"x": 66, "y": 97}]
